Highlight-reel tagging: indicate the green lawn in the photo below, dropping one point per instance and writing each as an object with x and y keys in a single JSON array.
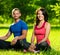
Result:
[{"x": 54, "y": 39}]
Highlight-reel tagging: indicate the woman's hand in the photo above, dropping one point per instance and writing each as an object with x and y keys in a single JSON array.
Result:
[
  {"x": 39, "y": 42},
  {"x": 32, "y": 46}
]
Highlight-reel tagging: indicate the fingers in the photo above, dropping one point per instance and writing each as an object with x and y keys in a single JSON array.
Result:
[
  {"x": 13, "y": 42},
  {"x": 32, "y": 46}
]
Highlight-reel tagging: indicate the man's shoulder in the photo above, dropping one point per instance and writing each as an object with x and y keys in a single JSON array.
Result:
[
  {"x": 22, "y": 22},
  {"x": 11, "y": 24}
]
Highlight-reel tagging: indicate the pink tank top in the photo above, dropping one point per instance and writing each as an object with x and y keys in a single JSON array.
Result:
[{"x": 40, "y": 33}]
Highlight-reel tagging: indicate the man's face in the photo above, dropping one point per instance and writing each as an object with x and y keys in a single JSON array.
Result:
[{"x": 16, "y": 14}]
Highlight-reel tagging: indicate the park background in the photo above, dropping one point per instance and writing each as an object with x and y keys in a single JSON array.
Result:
[{"x": 28, "y": 8}]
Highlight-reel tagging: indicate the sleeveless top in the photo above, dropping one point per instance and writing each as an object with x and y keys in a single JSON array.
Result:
[{"x": 40, "y": 33}]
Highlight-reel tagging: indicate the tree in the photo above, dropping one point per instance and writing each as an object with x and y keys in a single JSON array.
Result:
[{"x": 28, "y": 8}]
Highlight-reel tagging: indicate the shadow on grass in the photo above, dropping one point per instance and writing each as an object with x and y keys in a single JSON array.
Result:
[
  {"x": 4, "y": 27},
  {"x": 31, "y": 27},
  {"x": 53, "y": 28},
  {"x": 57, "y": 27}
]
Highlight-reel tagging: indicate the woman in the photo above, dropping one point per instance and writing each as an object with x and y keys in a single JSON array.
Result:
[{"x": 41, "y": 31}]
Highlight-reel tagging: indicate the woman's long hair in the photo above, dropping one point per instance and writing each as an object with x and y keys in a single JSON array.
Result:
[{"x": 44, "y": 12}]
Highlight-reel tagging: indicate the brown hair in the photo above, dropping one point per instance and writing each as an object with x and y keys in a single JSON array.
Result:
[{"x": 44, "y": 12}]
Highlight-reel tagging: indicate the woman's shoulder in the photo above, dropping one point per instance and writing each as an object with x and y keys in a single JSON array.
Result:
[{"x": 47, "y": 24}]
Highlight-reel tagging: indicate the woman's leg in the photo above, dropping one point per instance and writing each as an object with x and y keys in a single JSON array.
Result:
[{"x": 42, "y": 46}]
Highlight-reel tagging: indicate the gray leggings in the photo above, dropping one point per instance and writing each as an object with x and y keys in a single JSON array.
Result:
[{"x": 42, "y": 46}]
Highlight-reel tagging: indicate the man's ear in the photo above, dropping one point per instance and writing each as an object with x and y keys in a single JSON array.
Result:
[{"x": 20, "y": 14}]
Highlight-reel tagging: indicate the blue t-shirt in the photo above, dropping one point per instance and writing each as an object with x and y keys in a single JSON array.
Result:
[{"x": 17, "y": 28}]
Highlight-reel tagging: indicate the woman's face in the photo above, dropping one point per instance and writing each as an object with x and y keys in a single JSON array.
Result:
[
  {"x": 16, "y": 14},
  {"x": 40, "y": 15}
]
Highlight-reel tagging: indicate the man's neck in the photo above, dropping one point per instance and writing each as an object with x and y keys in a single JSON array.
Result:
[{"x": 17, "y": 20}]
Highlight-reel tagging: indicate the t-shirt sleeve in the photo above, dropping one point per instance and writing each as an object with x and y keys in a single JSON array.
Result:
[
  {"x": 10, "y": 29},
  {"x": 24, "y": 26}
]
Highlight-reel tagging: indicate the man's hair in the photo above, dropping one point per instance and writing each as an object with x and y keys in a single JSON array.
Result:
[{"x": 15, "y": 10}]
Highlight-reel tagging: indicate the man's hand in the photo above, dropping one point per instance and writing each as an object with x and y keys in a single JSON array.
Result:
[{"x": 14, "y": 41}]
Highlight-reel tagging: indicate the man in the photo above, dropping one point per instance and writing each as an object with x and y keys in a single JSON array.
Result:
[{"x": 19, "y": 29}]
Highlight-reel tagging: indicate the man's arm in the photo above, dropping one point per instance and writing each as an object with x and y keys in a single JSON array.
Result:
[
  {"x": 23, "y": 36},
  {"x": 6, "y": 36}
]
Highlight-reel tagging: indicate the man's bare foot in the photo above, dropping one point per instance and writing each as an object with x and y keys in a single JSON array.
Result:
[{"x": 24, "y": 50}]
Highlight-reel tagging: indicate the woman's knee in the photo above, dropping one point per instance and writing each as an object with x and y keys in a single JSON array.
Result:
[{"x": 44, "y": 44}]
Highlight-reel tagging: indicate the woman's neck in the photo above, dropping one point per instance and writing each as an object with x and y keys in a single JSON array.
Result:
[{"x": 42, "y": 21}]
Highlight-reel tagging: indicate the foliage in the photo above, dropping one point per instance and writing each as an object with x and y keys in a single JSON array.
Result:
[
  {"x": 28, "y": 8},
  {"x": 56, "y": 9}
]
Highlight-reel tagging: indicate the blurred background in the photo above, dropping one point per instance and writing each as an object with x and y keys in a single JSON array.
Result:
[{"x": 28, "y": 8}]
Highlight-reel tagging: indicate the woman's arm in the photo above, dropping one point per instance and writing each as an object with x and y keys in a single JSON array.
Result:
[
  {"x": 33, "y": 36},
  {"x": 32, "y": 46},
  {"x": 47, "y": 27},
  {"x": 6, "y": 36}
]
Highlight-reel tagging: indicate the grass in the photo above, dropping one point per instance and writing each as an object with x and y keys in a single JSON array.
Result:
[{"x": 54, "y": 39}]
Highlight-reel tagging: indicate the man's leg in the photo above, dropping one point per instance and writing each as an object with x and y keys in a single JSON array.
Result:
[
  {"x": 25, "y": 44},
  {"x": 20, "y": 45},
  {"x": 17, "y": 46},
  {"x": 5, "y": 44}
]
